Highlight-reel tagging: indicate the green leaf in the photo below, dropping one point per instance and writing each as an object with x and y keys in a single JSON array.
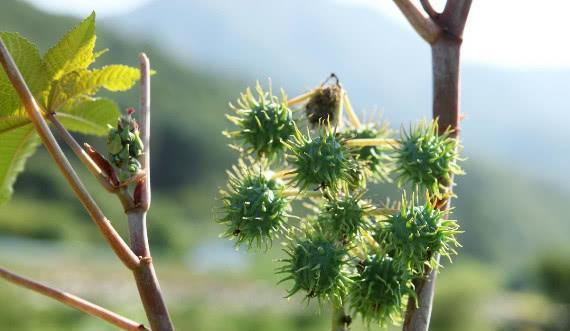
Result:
[
  {"x": 85, "y": 83},
  {"x": 113, "y": 78},
  {"x": 29, "y": 62},
  {"x": 19, "y": 141},
  {"x": 89, "y": 116},
  {"x": 74, "y": 51}
]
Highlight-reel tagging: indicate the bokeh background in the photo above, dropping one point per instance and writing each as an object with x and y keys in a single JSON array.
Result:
[{"x": 513, "y": 272}]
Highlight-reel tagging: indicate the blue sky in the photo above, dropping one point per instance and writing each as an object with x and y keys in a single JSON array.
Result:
[{"x": 522, "y": 34}]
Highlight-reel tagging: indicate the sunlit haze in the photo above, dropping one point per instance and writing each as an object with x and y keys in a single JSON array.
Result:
[{"x": 507, "y": 33}]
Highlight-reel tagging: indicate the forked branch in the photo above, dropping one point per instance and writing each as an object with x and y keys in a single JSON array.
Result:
[
  {"x": 145, "y": 276},
  {"x": 426, "y": 5},
  {"x": 118, "y": 245},
  {"x": 424, "y": 26},
  {"x": 73, "y": 301},
  {"x": 445, "y": 66}
]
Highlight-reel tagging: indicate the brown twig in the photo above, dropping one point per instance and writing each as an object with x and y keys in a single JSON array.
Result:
[
  {"x": 145, "y": 276},
  {"x": 145, "y": 127},
  {"x": 73, "y": 301},
  {"x": 424, "y": 26},
  {"x": 118, "y": 245},
  {"x": 90, "y": 163},
  {"x": 93, "y": 168}
]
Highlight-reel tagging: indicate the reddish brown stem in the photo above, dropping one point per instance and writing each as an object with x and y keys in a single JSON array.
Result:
[
  {"x": 145, "y": 276},
  {"x": 73, "y": 301},
  {"x": 424, "y": 26},
  {"x": 445, "y": 70}
]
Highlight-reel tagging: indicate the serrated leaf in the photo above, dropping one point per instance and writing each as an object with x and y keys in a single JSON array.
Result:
[
  {"x": 89, "y": 116},
  {"x": 29, "y": 62},
  {"x": 19, "y": 141},
  {"x": 113, "y": 78},
  {"x": 85, "y": 83},
  {"x": 74, "y": 51}
]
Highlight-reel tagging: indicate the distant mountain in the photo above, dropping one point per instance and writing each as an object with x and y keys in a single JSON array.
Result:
[{"x": 519, "y": 117}]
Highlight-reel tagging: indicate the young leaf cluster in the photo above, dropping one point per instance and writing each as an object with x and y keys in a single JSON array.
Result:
[
  {"x": 343, "y": 249},
  {"x": 63, "y": 83}
]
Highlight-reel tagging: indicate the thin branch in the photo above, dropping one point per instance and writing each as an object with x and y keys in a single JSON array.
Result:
[
  {"x": 93, "y": 168},
  {"x": 145, "y": 127},
  {"x": 445, "y": 71},
  {"x": 350, "y": 111},
  {"x": 363, "y": 142},
  {"x": 73, "y": 301},
  {"x": 113, "y": 238},
  {"x": 145, "y": 275},
  {"x": 424, "y": 26},
  {"x": 432, "y": 13},
  {"x": 301, "y": 98},
  {"x": 418, "y": 315}
]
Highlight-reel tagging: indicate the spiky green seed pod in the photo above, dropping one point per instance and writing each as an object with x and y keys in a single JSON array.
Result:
[
  {"x": 322, "y": 161},
  {"x": 374, "y": 160},
  {"x": 378, "y": 289},
  {"x": 323, "y": 107},
  {"x": 254, "y": 209},
  {"x": 341, "y": 217},
  {"x": 416, "y": 234},
  {"x": 318, "y": 266},
  {"x": 264, "y": 123},
  {"x": 426, "y": 158}
]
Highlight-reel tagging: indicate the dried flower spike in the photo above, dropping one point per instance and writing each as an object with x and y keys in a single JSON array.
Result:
[{"x": 324, "y": 106}]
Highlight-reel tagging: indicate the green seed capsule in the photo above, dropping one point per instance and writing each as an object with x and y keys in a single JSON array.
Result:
[
  {"x": 255, "y": 210},
  {"x": 378, "y": 289},
  {"x": 264, "y": 124},
  {"x": 318, "y": 266},
  {"x": 124, "y": 153},
  {"x": 114, "y": 144}
]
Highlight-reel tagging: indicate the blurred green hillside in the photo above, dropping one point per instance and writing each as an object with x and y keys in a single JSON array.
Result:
[{"x": 510, "y": 221}]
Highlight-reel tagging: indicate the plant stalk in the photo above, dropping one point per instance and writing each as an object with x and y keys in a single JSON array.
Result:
[
  {"x": 145, "y": 275},
  {"x": 117, "y": 243},
  {"x": 73, "y": 301},
  {"x": 340, "y": 320},
  {"x": 445, "y": 50}
]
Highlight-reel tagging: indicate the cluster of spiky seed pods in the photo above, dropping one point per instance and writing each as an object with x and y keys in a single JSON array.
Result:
[{"x": 342, "y": 248}]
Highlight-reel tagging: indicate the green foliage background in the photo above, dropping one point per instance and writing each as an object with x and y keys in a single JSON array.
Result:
[{"x": 496, "y": 283}]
